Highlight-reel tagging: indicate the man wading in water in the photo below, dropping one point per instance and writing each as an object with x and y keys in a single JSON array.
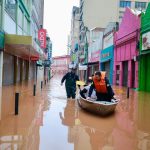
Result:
[{"x": 70, "y": 83}]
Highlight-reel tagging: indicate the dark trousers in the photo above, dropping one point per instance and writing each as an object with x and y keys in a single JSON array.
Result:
[
  {"x": 103, "y": 97},
  {"x": 71, "y": 92}
]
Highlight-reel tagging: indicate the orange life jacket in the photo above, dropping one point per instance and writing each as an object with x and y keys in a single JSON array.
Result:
[{"x": 100, "y": 86}]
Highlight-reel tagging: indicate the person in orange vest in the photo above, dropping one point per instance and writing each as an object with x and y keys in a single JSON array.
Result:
[{"x": 104, "y": 91}]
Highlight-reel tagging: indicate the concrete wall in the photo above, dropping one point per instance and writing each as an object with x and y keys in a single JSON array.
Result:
[{"x": 97, "y": 13}]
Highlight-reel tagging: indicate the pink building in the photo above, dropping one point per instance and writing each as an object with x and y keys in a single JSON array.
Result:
[
  {"x": 126, "y": 50},
  {"x": 60, "y": 64}
]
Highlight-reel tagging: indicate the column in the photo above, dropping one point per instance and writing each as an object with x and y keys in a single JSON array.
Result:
[
  {"x": 21, "y": 70},
  {"x": 15, "y": 69},
  {"x": 130, "y": 73},
  {"x": 121, "y": 74}
]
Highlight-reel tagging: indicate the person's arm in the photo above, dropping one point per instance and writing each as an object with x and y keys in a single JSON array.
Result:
[
  {"x": 77, "y": 79},
  {"x": 109, "y": 88},
  {"x": 82, "y": 92},
  {"x": 64, "y": 78},
  {"x": 91, "y": 89}
]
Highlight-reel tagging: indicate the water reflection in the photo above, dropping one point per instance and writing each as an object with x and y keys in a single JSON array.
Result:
[
  {"x": 0, "y": 103},
  {"x": 22, "y": 132},
  {"x": 128, "y": 128},
  {"x": 85, "y": 130},
  {"x": 65, "y": 122},
  {"x": 143, "y": 121}
]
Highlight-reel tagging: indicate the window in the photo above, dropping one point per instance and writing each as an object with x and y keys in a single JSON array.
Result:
[
  {"x": 20, "y": 17},
  {"x": 10, "y": 6},
  {"x": 124, "y": 4},
  {"x": 141, "y": 5},
  {"x": 26, "y": 24}
]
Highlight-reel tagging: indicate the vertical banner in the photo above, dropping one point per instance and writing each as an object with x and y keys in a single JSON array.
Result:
[{"x": 42, "y": 38}]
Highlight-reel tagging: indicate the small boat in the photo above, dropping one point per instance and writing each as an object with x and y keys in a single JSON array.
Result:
[{"x": 99, "y": 107}]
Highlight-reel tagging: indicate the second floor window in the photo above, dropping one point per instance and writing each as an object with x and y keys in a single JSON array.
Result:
[
  {"x": 10, "y": 7},
  {"x": 141, "y": 5},
  {"x": 124, "y": 4}
]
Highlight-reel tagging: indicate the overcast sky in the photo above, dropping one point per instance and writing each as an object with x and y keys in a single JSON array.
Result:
[{"x": 57, "y": 21}]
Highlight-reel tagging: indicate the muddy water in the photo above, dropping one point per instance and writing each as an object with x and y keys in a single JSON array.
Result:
[{"x": 49, "y": 121}]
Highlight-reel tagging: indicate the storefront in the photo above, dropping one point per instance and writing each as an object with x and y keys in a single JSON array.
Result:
[
  {"x": 107, "y": 54},
  {"x": 19, "y": 61},
  {"x": 2, "y": 37},
  {"x": 126, "y": 51},
  {"x": 144, "y": 69},
  {"x": 106, "y": 62},
  {"x": 93, "y": 64}
]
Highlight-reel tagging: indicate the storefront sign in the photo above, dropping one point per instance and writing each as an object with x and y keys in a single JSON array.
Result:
[
  {"x": 82, "y": 67},
  {"x": 32, "y": 58},
  {"x": 47, "y": 63},
  {"x": 42, "y": 38},
  {"x": 105, "y": 55},
  {"x": 146, "y": 41},
  {"x": 1, "y": 40},
  {"x": 94, "y": 56}
]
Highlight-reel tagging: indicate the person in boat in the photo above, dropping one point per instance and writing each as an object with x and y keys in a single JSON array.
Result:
[
  {"x": 70, "y": 83},
  {"x": 84, "y": 93},
  {"x": 104, "y": 91}
]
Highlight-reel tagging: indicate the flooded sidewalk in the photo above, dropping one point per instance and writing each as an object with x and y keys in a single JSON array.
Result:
[{"x": 48, "y": 121}]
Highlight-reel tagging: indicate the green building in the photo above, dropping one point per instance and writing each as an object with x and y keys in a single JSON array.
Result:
[{"x": 144, "y": 65}]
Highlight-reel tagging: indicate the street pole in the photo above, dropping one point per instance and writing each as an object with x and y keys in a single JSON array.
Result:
[{"x": 86, "y": 50}]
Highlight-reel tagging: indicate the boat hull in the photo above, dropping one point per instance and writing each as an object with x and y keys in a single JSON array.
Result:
[{"x": 98, "y": 107}]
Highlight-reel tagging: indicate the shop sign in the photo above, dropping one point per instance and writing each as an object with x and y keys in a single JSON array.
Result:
[
  {"x": 47, "y": 63},
  {"x": 94, "y": 56},
  {"x": 105, "y": 55},
  {"x": 42, "y": 38},
  {"x": 146, "y": 41}
]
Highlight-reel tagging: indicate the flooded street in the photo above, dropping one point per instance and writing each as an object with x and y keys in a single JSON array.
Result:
[{"x": 49, "y": 121}]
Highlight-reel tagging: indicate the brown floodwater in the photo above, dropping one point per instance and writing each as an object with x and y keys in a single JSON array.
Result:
[{"x": 48, "y": 121}]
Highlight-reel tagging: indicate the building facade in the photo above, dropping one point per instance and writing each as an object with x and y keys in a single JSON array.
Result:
[
  {"x": 74, "y": 36},
  {"x": 139, "y": 5},
  {"x": 107, "y": 53},
  {"x": 144, "y": 70},
  {"x": 126, "y": 50},
  {"x": 94, "y": 47},
  {"x": 60, "y": 64},
  {"x": 21, "y": 49},
  {"x": 98, "y": 13}
]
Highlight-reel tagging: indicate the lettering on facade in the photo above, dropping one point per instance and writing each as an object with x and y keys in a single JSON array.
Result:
[
  {"x": 105, "y": 55},
  {"x": 42, "y": 38}
]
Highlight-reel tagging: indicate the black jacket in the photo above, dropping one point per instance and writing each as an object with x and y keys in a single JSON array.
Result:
[{"x": 70, "y": 78}]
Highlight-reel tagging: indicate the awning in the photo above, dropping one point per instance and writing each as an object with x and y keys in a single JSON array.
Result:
[{"x": 23, "y": 46}]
